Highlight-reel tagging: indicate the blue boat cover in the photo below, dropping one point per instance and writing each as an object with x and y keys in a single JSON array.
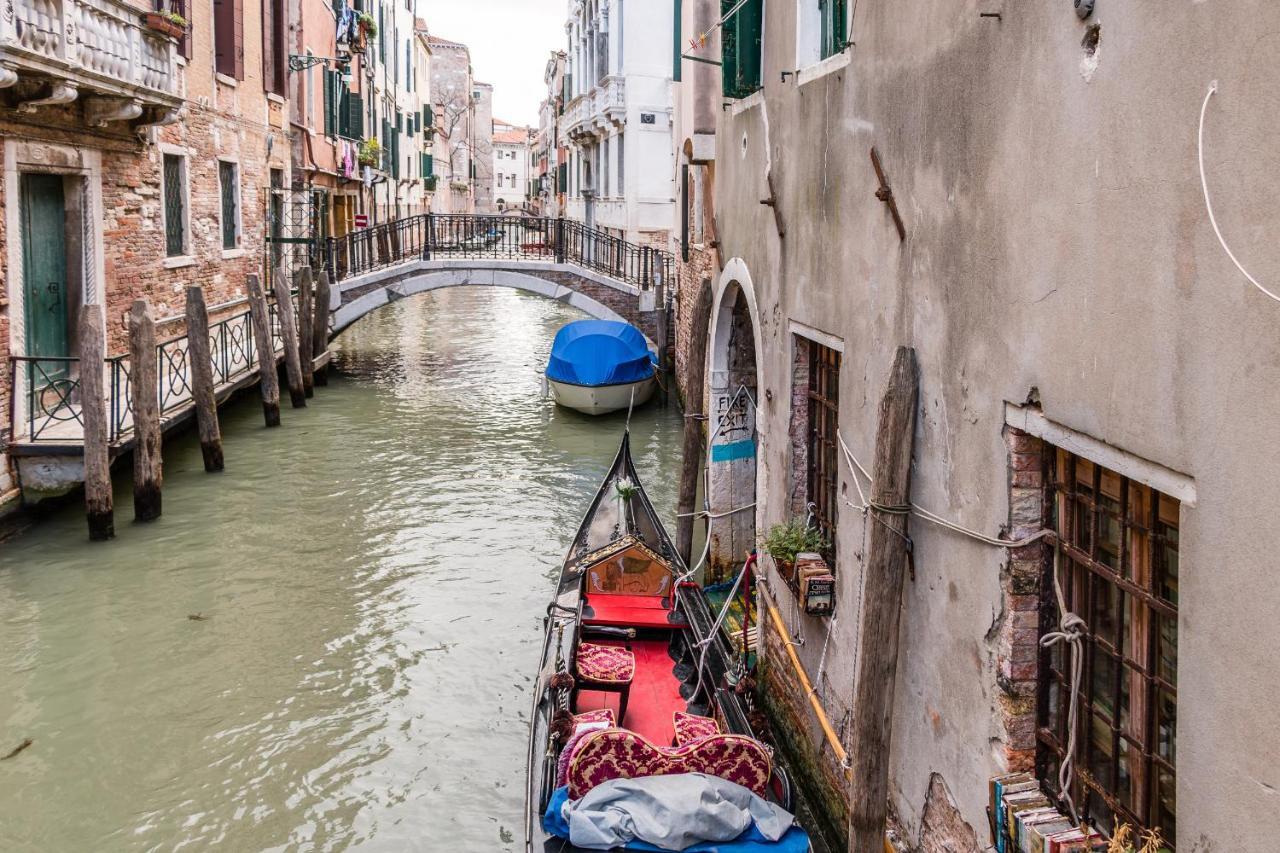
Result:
[{"x": 599, "y": 352}]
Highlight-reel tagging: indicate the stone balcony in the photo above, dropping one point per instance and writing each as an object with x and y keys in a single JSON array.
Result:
[
  {"x": 54, "y": 52},
  {"x": 593, "y": 113}
]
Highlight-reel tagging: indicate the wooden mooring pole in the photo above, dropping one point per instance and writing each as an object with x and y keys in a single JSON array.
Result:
[
  {"x": 320, "y": 326},
  {"x": 692, "y": 454},
  {"x": 289, "y": 334},
  {"x": 144, "y": 402},
  {"x": 663, "y": 331},
  {"x": 877, "y": 664},
  {"x": 200, "y": 363},
  {"x": 268, "y": 379},
  {"x": 306, "y": 316},
  {"x": 93, "y": 412}
]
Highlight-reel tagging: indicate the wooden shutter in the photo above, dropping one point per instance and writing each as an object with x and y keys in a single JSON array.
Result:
[
  {"x": 355, "y": 120},
  {"x": 330, "y": 129},
  {"x": 268, "y": 45},
  {"x": 344, "y": 108},
  {"x": 237, "y": 50},
  {"x": 740, "y": 43}
]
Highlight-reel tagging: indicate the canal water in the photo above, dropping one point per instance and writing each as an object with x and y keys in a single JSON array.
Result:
[{"x": 331, "y": 644}]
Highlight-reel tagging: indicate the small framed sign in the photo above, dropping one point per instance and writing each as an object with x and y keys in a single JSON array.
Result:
[
  {"x": 362, "y": 220},
  {"x": 648, "y": 118}
]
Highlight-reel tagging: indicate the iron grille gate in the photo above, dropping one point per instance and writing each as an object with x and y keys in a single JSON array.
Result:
[{"x": 295, "y": 225}]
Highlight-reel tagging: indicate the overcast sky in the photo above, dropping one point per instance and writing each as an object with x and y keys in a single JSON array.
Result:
[{"x": 510, "y": 43}]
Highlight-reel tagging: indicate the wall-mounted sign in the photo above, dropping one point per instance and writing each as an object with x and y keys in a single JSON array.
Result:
[
  {"x": 362, "y": 220},
  {"x": 648, "y": 118}
]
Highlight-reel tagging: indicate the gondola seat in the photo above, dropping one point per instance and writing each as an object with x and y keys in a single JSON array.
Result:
[
  {"x": 606, "y": 668},
  {"x": 692, "y": 727},
  {"x": 601, "y": 756}
]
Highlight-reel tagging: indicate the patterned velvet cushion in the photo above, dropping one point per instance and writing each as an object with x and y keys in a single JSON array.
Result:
[
  {"x": 583, "y": 725},
  {"x": 691, "y": 727},
  {"x": 600, "y": 715},
  {"x": 605, "y": 664},
  {"x": 621, "y": 754}
]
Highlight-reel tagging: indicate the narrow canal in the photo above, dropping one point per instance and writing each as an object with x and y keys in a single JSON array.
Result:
[{"x": 331, "y": 643}]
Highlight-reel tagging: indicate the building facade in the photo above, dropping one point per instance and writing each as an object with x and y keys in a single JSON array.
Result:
[
  {"x": 512, "y": 152},
  {"x": 483, "y": 178},
  {"x": 550, "y": 158},
  {"x": 453, "y": 103},
  {"x": 1018, "y": 199},
  {"x": 617, "y": 121}
]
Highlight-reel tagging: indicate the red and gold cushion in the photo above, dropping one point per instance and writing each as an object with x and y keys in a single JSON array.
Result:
[
  {"x": 600, "y": 715},
  {"x": 691, "y": 727},
  {"x": 621, "y": 754},
  {"x": 605, "y": 664}
]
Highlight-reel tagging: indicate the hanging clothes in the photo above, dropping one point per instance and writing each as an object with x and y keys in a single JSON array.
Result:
[{"x": 346, "y": 25}]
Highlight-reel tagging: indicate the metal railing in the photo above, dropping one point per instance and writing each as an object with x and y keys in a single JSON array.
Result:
[
  {"x": 45, "y": 404},
  {"x": 529, "y": 238}
]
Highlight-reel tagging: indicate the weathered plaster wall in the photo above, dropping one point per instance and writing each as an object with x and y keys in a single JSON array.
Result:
[{"x": 1056, "y": 240}]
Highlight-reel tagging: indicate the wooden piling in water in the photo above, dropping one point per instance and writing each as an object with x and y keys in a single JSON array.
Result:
[
  {"x": 306, "y": 316},
  {"x": 289, "y": 334},
  {"x": 662, "y": 332},
  {"x": 320, "y": 326},
  {"x": 268, "y": 380},
  {"x": 144, "y": 402},
  {"x": 200, "y": 365},
  {"x": 887, "y": 544},
  {"x": 98, "y": 504}
]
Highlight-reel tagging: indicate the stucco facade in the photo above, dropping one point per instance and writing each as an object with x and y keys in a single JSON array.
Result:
[{"x": 1058, "y": 268}]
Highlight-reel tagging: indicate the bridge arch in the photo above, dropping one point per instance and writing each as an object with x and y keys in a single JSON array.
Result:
[{"x": 369, "y": 299}]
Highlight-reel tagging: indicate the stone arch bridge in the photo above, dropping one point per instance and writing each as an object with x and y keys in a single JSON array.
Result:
[{"x": 601, "y": 275}]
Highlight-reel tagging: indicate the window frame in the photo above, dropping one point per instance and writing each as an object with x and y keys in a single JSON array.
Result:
[
  {"x": 822, "y": 427},
  {"x": 1145, "y": 523},
  {"x": 183, "y": 157},
  {"x": 238, "y": 198}
]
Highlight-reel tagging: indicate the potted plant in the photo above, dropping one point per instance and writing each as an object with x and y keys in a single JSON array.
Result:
[
  {"x": 169, "y": 23},
  {"x": 785, "y": 540},
  {"x": 370, "y": 152},
  {"x": 366, "y": 28}
]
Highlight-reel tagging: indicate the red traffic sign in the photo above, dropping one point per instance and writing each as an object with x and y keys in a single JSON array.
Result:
[{"x": 362, "y": 220}]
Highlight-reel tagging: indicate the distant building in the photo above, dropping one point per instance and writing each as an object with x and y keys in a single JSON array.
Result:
[
  {"x": 617, "y": 121},
  {"x": 550, "y": 158},
  {"x": 453, "y": 106},
  {"x": 512, "y": 147},
  {"x": 481, "y": 143}
]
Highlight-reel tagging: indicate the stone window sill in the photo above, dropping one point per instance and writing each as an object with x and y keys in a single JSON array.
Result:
[
  {"x": 755, "y": 99},
  {"x": 237, "y": 252},
  {"x": 272, "y": 96},
  {"x": 178, "y": 261},
  {"x": 821, "y": 69},
  {"x": 226, "y": 81}
]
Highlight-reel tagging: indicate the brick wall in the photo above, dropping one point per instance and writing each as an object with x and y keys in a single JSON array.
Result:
[
  {"x": 1018, "y": 645},
  {"x": 699, "y": 271}
]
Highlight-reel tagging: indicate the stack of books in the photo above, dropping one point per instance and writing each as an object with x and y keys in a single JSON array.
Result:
[{"x": 1024, "y": 820}]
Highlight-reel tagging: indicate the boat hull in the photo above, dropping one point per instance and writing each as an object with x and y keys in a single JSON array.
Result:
[{"x": 602, "y": 399}]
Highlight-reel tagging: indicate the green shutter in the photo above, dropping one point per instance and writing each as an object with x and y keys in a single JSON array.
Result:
[
  {"x": 834, "y": 26},
  {"x": 329, "y": 129},
  {"x": 355, "y": 122},
  {"x": 675, "y": 48},
  {"x": 740, "y": 48},
  {"x": 427, "y": 115},
  {"x": 344, "y": 111}
]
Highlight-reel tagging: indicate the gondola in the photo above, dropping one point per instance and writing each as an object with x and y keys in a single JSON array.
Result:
[{"x": 632, "y": 661}]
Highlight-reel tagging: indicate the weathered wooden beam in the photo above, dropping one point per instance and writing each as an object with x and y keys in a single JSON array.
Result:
[
  {"x": 663, "y": 332},
  {"x": 98, "y": 503},
  {"x": 269, "y": 381},
  {"x": 289, "y": 334},
  {"x": 306, "y": 316},
  {"x": 144, "y": 402},
  {"x": 887, "y": 546},
  {"x": 200, "y": 364},
  {"x": 694, "y": 417},
  {"x": 320, "y": 326}
]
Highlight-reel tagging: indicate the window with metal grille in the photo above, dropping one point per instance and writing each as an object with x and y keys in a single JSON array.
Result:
[
  {"x": 229, "y": 184},
  {"x": 175, "y": 205},
  {"x": 824, "y": 424},
  {"x": 1116, "y": 555}
]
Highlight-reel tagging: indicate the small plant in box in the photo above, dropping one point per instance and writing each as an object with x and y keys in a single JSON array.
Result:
[
  {"x": 784, "y": 541},
  {"x": 169, "y": 23},
  {"x": 370, "y": 153}
]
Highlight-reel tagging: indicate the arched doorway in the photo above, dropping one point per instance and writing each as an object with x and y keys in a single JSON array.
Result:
[{"x": 732, "y": 383}]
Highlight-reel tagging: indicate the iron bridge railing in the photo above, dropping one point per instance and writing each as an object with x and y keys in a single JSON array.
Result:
[
  {"x": 520, "y": 238},
  {"x": 45, "y": 404}
]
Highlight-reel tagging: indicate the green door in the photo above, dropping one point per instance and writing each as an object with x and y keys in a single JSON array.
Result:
[{"x": 44, "y": 265}]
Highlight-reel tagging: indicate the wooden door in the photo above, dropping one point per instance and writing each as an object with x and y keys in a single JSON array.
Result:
[{"x": 44, "y": 265}]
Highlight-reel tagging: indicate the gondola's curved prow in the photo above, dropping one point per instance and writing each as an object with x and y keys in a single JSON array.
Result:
[{"x": 619, "y": 524}]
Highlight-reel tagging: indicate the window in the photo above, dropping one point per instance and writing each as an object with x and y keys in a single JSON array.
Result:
[
  {"x": 1116, "y": 550},
  {"x": 823, "y": 474},
  {"x": 499, "y": 180},
  {"x": 228, "y": 38},
  {"x": 175, "y": 205},
  {"x": 834, "y": 28},
  {"x": 821, "y": 30},
  {"x": 229, "y": 185},
  {"x": 622, "y": 161},
  {"x": 740, "y": 44}
]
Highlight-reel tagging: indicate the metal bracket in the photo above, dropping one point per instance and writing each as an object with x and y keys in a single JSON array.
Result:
[
  {"x": 303, "y": 61},
  {"x": 885, "y": 194}
]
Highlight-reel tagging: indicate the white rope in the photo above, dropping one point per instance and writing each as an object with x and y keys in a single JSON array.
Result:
[
  {"x": 704, "y": 513},
  {"x": 1071, "y": 631},
  {"x": 856, "y": 467},
  {"x": 1213, "y": 220},
  {"x": 706, "y": 641}
]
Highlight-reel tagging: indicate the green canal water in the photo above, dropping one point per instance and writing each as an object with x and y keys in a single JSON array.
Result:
[{"x": 369, "y": 582}]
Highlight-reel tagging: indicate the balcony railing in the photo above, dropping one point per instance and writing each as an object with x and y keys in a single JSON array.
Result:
[{"x": 517, "y": 238}]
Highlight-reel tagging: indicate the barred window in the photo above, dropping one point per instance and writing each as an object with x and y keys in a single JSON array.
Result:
[
  {"x": 229, "y": 184},
  {"x": 824, "y": 423},
  {"x": 1116, "y": 552},
  {"x": 175, "y": 204}
]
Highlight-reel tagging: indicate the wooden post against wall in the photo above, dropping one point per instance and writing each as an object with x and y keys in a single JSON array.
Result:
[
  {"x": 881, "y": 607},
  {"x": 694, "y": 419},
  {"x": 200, "y": 363},
  {"x": 289, "y": 334},
  {"x": 93, "y": 412},
  {"x": 663, "y": 332},
  {"x": 306, "y": 316},
  {"x": 320, "y": 326},
  {"x": 267, "y": 375},
  {"x": 144, "y": 402}
]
